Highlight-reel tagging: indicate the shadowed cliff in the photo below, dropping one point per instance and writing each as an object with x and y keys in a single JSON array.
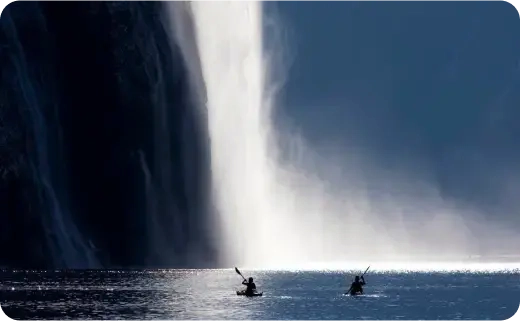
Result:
[{"x": 103, "y": 156}]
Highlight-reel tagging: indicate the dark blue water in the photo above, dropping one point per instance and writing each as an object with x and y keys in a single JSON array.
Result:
[{"x": 210, "y": 294}]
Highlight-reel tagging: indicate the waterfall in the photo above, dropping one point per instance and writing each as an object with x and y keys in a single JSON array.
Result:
[{"x": 279, "y": 202}]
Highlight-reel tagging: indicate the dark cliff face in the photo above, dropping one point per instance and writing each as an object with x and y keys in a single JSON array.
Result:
[{"x": 104, "y": 160}]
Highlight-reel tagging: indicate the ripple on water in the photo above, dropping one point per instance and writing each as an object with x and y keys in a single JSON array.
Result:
[{"x": 211, "y": 294}]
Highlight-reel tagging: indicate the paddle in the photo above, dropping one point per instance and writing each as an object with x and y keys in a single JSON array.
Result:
[
  {"x": 238, "y": 272},
  {"x": 365, "y": 271}
]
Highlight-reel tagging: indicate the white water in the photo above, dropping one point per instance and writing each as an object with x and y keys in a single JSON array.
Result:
[
  {"x": 275, "y": 213},
  {"x": 271, "y": 215},
  {"x": 229, "y": 38}
]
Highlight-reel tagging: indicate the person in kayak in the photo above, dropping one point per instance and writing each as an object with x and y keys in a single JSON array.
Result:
[
  {"x": 251, "y": 286},
  {"x": 357, "y": 286}
]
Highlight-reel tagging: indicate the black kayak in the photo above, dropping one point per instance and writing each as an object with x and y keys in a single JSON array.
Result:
[
  {"x": 353, "y": 294},
  {"x": 243, "y": 292}
]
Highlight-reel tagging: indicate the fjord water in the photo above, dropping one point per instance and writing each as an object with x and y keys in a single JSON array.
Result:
[{"x": 210, "y": 294}]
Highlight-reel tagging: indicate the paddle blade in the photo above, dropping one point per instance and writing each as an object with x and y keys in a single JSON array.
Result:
[{"x": 238, "y": 272}]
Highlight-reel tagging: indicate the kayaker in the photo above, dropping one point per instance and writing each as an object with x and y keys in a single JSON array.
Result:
[
  {"x": 357, "y": 286},
  {"x": 251, "y": 286}
]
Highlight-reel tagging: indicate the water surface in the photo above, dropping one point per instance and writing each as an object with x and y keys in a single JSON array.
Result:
[{"x": 210, "y": 294}]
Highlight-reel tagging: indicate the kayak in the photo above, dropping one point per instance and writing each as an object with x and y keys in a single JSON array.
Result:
[
  {"x": 243, "y": 292},
  {"x": 353, "y": 294}
]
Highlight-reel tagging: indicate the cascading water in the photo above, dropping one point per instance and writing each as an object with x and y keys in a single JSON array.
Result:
[
  {"x": 229, "y": 39},
  {"x": 271, "y": 213},
  {"x": 296, "y": 207}
]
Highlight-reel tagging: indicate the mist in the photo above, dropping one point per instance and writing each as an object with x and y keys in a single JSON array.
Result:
[{"x": 286, "y": 199}]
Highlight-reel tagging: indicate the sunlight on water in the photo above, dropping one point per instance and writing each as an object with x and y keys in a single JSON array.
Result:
[
  {"x": 399, "y": 267},
  {"x": 211, "y": 294}
]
